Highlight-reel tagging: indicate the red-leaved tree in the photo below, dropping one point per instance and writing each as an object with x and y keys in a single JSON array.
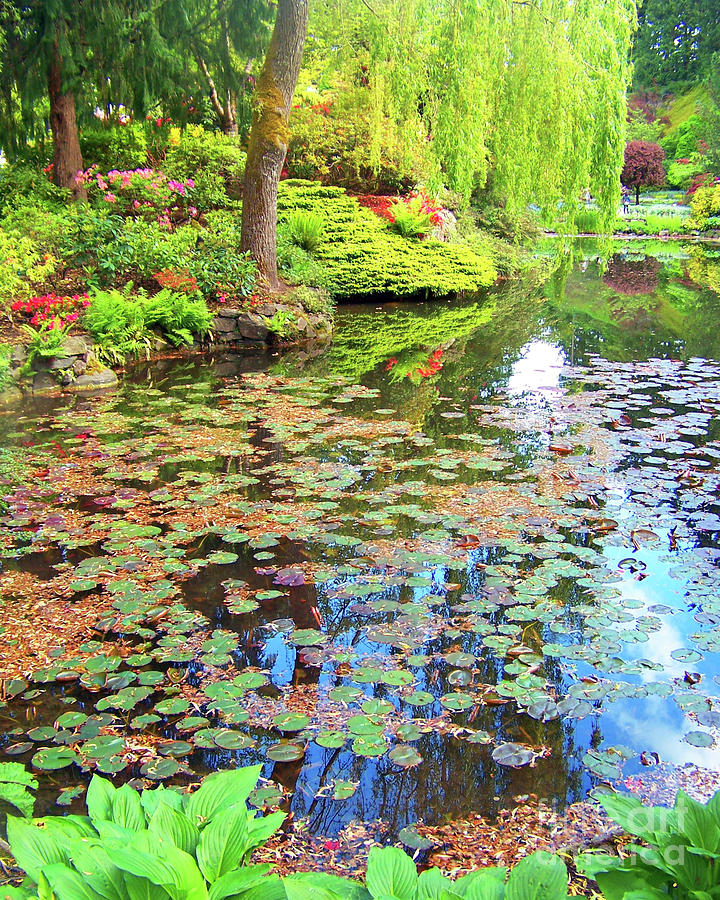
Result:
[{"x": 643, "y": 166}]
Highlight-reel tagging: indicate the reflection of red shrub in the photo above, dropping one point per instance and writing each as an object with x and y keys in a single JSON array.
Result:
[{"x": 632, "y": 276}]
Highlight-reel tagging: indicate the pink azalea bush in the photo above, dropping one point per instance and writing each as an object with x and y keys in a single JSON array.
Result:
[
  {"x": 142, "y": 193},
  {"x": 51, "y": 310}
]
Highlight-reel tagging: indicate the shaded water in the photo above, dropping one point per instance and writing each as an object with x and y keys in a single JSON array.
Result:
[{"x": 470, "y": 551}]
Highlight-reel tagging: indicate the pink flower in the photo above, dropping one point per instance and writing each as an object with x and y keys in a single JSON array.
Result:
[
  {"x": 136, "y": 204},
  {"x": 192, "y": 212},
  {"x": 110, "y": 198},
  {"x": 190, "y": 183}
]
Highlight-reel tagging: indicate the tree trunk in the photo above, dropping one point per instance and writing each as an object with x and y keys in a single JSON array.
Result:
[
  {"x": 637, "y": 196},
  {"x": 269, "y": 136},
  {"x": 67, "y": 158}
]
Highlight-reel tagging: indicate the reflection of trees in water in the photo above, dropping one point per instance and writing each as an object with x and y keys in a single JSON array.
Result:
[{"x": 632, "y": 276}]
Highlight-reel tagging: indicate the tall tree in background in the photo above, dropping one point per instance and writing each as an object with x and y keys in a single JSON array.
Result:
[
  {"x": 42, "y": 64},
  {"x": 270, "y": 134},
  {"x": 222, "y": 38},
  {"x": 675, "y": 41}
]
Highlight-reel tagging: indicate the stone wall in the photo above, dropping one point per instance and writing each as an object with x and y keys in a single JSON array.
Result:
[{"x": 75, "y": 369}]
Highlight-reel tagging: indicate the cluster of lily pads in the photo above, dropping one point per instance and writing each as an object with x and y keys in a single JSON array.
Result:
[{"x": 283, "y": 568}]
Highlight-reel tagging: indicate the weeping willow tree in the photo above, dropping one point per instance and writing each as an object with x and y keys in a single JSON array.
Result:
[{"x": 525, "y": 96}]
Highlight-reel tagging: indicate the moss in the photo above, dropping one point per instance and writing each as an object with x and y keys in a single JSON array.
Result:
[
  {"x": 269, "y": 106},
  {"x": 360, "y": 256}
]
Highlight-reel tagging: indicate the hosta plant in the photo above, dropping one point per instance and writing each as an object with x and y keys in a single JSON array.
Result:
[
  {"x": 682, "y": 856},
  {"x": 391, "y": 873},
  {"x": 150, "y": 845}
]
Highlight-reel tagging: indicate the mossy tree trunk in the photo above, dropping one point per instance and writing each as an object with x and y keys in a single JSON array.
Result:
[
  {"x": 269, "y": 136},
  {"x": 67, "y": 158}
]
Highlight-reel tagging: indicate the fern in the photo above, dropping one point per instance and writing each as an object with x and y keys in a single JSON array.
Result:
[{"x": 306, "y": 229}]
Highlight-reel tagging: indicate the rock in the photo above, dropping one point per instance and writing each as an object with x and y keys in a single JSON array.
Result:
[
  {"x": 253, "y": 329},
  {"x": 67, "y": 377},
  {"x": 223, "y": 324},
  {"x": 10, "y": 394},
  {"x": 226, "y": 337},
  {"x": 74, "y": 346},
  {"x": 301, "y": 324},
  {"x": 61, "y": 362},
  {"x": 18, "y": 355},
  {"x": 267, "y": 309},
  {"x": 43, "y": 381},
  {"x": 79, "y": 366},
  {"x": 160, "y": 344},
  {"x": 229, "y": 312},
  {"x": 106, "y": 378}
]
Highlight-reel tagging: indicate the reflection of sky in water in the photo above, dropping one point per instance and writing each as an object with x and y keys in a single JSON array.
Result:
[{"x": 537, "y": 371}]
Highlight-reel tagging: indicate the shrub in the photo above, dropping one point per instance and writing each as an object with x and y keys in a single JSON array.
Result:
[
  {"x": 215, "y": 161},
  {"x": 195, "y": 149},
  {"x": 335, "y": 140},
  {"x": 682, "y": 172},
  {"x": 118, "y": 146},
  {"x": 156, "y": 843},
  {"x": 178, "y": 316},
  {"x": 51, "y": 309},
  {"x": 140, "y": 192},
  {"x": 705, "y": 204},
  {"x": 305, "y": 229},
  {"x": 20, "y": 182},
  {"x": 22, "y": 267},
  {"x": 361, "y": 256},
  {"x": 587, "y": 220}
]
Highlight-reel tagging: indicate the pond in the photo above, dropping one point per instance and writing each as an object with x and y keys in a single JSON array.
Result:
[{"x": 468, "y": 552}]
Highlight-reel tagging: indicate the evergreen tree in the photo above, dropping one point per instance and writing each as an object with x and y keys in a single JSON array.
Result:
[
  {"x": 675, "y": 41},
  {"x": 43, "y": 63}
]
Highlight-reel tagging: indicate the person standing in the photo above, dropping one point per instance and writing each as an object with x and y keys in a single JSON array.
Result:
[{"x": 625, "y": 200}]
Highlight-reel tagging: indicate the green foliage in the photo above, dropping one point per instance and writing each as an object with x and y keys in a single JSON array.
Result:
[
  {"x": 361, "y": 256},
  {"x": 587, "y": 221},
  {"x": 5, "y": 361},
  {"x": 114, "y": 147},
  {"x": 15, "y": 782},
  {"x": 42, "y": 342},
  {"x": 195, "y": 149},
  {"x": 653, "y": 223},
  {"x": 20, "y": 180},
  {"x": 391, "y": 874},
  {"x": 680, "y": 175},
  {"x": 639, "y": 129},
  {"x": 409, "y": 218},
  {"x": 681, "y": 856},
  {"x": 121, "y": 323},
  {"x": 178, "y": 316},
  {"x": 306, "y": 229},
  {"x": 528, "y": 101},
  {"x": 155, "y": 844},
  {"x": 705, "y": 205},
  {"x": 329, "y": 142},
  {"x": 116, "y": 321},
  {"x": 22, "y": 267}
]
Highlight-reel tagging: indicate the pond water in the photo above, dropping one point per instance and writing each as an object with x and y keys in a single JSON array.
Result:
[{"x": 469, "y": 551}]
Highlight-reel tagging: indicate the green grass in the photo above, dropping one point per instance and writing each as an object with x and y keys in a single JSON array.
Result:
[{"x": 683, "y": 107}]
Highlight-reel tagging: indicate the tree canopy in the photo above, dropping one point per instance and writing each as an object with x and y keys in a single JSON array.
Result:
[{"x": 525, "y": 98}]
